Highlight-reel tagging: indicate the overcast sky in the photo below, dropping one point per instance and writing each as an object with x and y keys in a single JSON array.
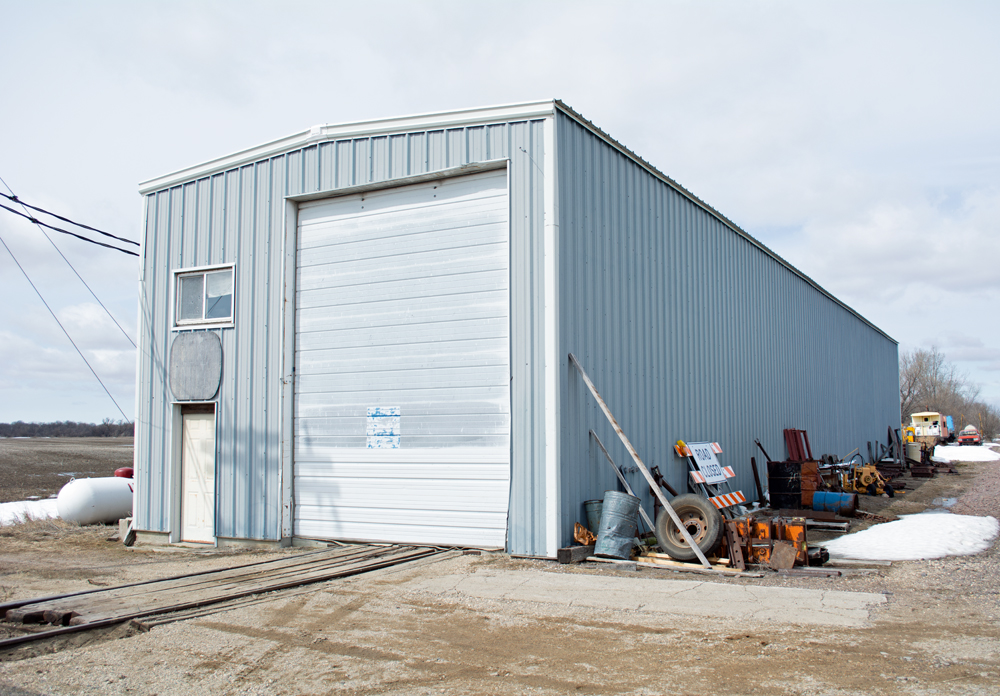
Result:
[{"x": 860, "y": 141}]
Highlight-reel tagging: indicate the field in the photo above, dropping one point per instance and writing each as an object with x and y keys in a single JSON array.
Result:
[
  {"x": 413, "y": 629},
  {"x": 39, "y": 467}
]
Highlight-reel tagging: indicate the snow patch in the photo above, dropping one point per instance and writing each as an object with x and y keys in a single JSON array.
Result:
[
  {"x": 965, "y": 453},
  {"x": 933, "y": 534},
  {"x": 17, "y": 512}
]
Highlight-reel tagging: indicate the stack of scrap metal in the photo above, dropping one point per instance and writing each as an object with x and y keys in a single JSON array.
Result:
[
  {"x": 892, "y": 464},
  {"x": 795, "y": 483},
  {"x": 924, "y": 468}
]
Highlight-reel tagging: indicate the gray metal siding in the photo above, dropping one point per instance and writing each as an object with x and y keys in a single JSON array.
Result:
[
  {"x": 237, "y": 217},
  {"x": 691, "y": 331}
]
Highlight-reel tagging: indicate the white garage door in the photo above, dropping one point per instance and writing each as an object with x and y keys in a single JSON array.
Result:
[{"x": 402, "y": 400}]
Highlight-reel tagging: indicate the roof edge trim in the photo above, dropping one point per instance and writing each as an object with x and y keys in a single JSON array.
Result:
[{"x": 318, "y": 134}]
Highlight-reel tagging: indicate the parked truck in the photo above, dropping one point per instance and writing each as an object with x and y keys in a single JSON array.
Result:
[
  {"x": 970, "y": 436},
  {"x": 930, "y": 427}
]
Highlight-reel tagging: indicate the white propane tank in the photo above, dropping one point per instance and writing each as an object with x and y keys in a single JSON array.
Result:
[{"x": 92, "y": 500}]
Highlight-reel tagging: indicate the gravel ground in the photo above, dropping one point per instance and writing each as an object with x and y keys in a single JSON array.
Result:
[{"x": 939, "y": 632}]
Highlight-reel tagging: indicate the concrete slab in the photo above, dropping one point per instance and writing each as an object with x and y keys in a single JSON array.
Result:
[{"x": 657, "y": 596}]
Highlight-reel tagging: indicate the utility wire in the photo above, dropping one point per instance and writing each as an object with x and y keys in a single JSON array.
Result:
[
  {"x": 15, "y": 199},
  {"x": 58, "y": 251},
  {"x": 64, "y": 330},
  {"x": 72, "y": 234}
]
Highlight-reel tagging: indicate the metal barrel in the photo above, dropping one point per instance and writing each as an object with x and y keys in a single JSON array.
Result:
[
  {"x": 593, "y": 509},
  {"x": 784, "y": 482},
  {"x": 840, "y": 503},
  {"x": 619, "y": 518}
]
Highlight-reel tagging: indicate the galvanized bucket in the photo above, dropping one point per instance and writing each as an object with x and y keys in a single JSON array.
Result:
[
  {"x": 840, "y": 503},
  {"x": 593, "y": 509},
  {"x": 619, "y": 518}
]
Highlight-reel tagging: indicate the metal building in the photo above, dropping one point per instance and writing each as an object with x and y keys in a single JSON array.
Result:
[{"x": 361, "y": 332}]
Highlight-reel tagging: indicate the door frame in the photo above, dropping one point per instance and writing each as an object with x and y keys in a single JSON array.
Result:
[
  {"x": 289, "y": 271},
  {"x": 177, "y": 467}
]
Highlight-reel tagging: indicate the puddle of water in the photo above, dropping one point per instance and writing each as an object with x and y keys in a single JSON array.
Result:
[{"x": 944, "y": 502}]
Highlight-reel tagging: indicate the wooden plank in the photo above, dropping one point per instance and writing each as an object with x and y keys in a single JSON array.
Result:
[
  {"x": 619, "y": 563},
  {"x": 188, "y": 603},
  {"x": 574, "y": 554},
  {"x": 642, "y": 467},
  {"x": 114, "y": 606},
  {"x": 811, "y": 572},
  {"x": 678, "y": 567},
  {"x": 58, "y": 610},
  {"x": 205, "y": 588}
]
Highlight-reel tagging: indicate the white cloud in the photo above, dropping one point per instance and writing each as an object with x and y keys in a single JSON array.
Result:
[{"x": 858, "y": 140}]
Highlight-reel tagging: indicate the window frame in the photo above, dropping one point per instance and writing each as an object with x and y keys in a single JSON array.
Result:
[{"x": 175, "y": 277}]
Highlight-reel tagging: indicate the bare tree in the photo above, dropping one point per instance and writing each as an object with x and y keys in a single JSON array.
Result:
[{"x": 928, "y": 382}]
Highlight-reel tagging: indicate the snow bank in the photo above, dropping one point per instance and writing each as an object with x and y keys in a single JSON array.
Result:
[
  {"x": 13, "y": 513},
  {"x": 965, "y": 453},
  {"x": 913, "y": 537}
]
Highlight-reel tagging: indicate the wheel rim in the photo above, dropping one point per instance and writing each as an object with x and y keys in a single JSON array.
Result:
[{"x": 694, "y": 523}]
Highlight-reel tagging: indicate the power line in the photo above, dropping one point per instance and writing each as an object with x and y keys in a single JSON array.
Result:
[
  {"x": 58, "y": 251},
  {"x": 72, "y": 234},
  {"x": 82, "y": 356},
  {"x": 15, "y": 199}
]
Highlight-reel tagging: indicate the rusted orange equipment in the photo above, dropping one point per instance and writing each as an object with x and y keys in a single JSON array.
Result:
[{"x": 749, "y": 540}]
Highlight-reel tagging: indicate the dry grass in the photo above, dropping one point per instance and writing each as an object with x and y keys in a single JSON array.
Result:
[{"x": 54, "y": 530}]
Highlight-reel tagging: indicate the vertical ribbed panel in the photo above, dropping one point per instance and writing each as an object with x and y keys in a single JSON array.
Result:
[
  {"x": 238, "y": 217},
  {"x": 691, "y": 331}
]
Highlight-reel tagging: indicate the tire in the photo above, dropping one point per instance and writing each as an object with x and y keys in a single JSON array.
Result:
[
  {"x": 889, "y": 491},
  {"x": 702, "y": 520},
  {"x": 872, "y": 489}
]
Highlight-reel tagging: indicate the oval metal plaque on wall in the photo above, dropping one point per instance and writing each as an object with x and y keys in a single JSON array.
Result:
[{"x": 195, "y": 366}]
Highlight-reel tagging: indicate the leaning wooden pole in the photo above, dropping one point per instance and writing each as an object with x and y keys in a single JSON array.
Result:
[{"x": 642, "y": 467}]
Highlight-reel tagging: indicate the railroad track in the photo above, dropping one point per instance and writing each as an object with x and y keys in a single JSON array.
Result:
[{"x": 79, "y": 611}]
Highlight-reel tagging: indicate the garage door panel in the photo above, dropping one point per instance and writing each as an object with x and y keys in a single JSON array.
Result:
[
  {"x": 382, "y": 359},
  {"x": 415, "y": 236},
  {"x": 455, "y": 193},
  {"x": 485, "y": 305},
  {"x": 340, "y": 273},
  {"x": 445, "y": 473},
  {"x": 402, "y": 303},
  {"x": 381, "y": 385},
  {"x": 417, "y": 334},
  {"x": 472, "y": 495},
  {"x": 445, "y": 425},
  {"x": 476, "y": 351},
  {"x": 451, "y": 530},
  {"x": 429, "y": 332},
  {"x": 479, "y": 401},
  {"x": 409, "y": 294}
]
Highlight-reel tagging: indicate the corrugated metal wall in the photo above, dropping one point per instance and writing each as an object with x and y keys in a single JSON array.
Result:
[
  {"x": 237, "y": 217},
  {"x": 691, "y": 331}
]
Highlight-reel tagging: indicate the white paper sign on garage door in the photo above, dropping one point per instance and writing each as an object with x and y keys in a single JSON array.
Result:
[{"x": 402, "y": 401}]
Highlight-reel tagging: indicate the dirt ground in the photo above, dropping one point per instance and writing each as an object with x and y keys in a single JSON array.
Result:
[
  {"x": 38, "y": 467},
  {"x": 938, "y": 633}
]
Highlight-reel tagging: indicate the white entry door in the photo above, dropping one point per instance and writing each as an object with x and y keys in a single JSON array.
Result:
[
  {"x": 402, "y": 363},
  {"x": 198, "y": 477}
]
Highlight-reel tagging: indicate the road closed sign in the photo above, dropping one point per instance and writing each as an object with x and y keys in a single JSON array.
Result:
[{"x": 706, "y": 461}]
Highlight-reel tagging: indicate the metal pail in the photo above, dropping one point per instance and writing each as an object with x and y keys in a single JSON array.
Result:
[
  {"x": 840, "y": 503},
  {"x": 619, "y": 518},
  {"x": 593, "y": 509}
]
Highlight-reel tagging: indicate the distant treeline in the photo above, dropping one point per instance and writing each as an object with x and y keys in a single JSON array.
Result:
[{"x": 106, "y": 428}]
